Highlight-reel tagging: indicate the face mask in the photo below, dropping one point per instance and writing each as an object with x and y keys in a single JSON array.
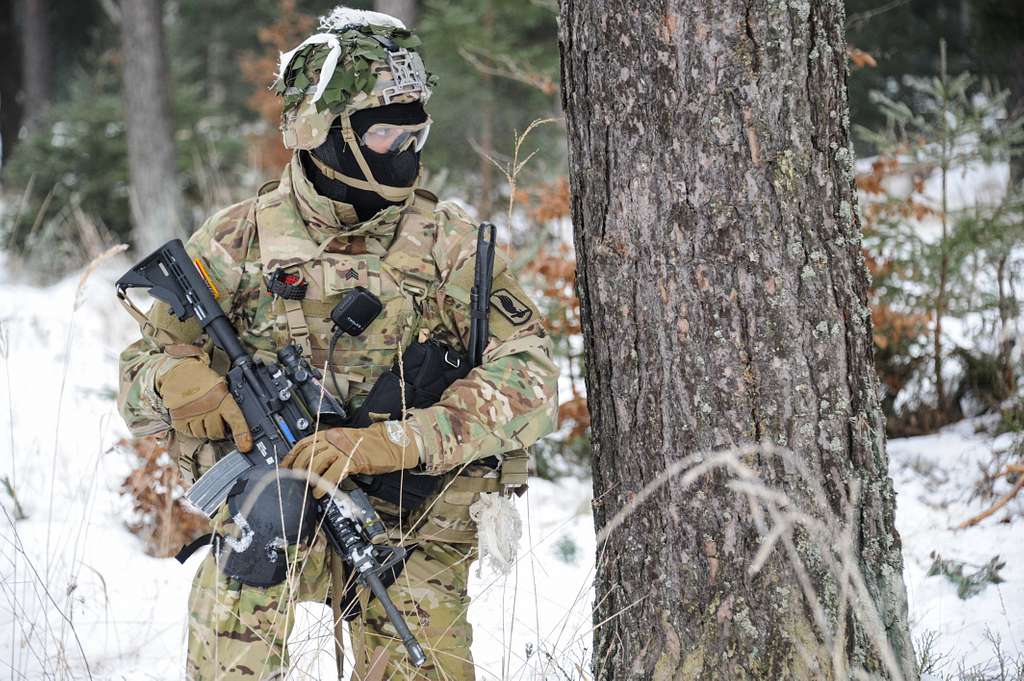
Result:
[
  {"x": 393, "y": 170},
  {"x": 374, "y": 153}
]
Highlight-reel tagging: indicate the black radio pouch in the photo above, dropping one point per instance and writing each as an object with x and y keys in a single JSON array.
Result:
[{"x": 428, "y": 367}]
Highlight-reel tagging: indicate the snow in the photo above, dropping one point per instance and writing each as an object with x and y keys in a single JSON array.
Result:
[
  {"x": 342, "y": 17},
  {"x": 73, "y": 560},
  {"x": 934, "y": 475}
]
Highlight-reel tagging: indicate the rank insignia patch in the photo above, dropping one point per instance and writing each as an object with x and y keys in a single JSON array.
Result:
[{"x": 515, "y": 310}]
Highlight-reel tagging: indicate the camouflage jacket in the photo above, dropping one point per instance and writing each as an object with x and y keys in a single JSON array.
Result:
[{"x": 418, "y": 259}]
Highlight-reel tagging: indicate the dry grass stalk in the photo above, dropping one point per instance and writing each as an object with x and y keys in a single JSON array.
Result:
[
  {"x": 776, "y": 516},
  {"x": 49, "y": 641},
  {"x": 514, "y": 166},
  {"x": 92, "y": 267}
]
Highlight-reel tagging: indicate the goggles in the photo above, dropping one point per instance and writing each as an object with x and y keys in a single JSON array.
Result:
[{"x": 388, "y": 138}]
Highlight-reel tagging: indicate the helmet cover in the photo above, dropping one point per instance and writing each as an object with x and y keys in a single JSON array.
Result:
[{"x": 357, "y": 60}]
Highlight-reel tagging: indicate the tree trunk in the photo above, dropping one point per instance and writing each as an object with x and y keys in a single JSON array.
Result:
[
  {"x": 724, "y": 303},
  {"x": 156, "y": 199},
  {"x": 1006, "y": 340},
  {"x": 405, "y": 10},
  {"x": 485, "y": 204},
  {"x": 1015, "y": 105},
  {"x": 940, "y": 295},
  {"x": 10, "y": 81},
  {"x": 36, "y": 62}
]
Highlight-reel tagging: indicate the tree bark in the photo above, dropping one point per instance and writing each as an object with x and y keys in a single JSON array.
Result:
[
  {"x": 158, "y": 207},
  {"x": 36, "y": 61},
  {"x": 405, "y": 10},
  {"x": 724, "y": 302}
]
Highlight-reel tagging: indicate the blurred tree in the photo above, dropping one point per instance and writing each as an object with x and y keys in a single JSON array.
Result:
[
  {"x": 75, "y": 166},
  {"x": 982, "y": 37},
  {"x": 10, "y": 80},
  {"x": 998, "y": 42},
  {"x": 901, "y": 323},
  {"x": 723, "y": 304},
  {"x": 220, "y": 130},
  {"x": 497, "y": 72},
  {"x": 209, "y": 38},
  {"x": 951, "y": 123},
  {"x": 70, "y": 172},
  {"x": 36, "y": 60},
  {"x": 157, "y": 203},
  {"x": 288, "y": 29},
  {"x": 902, "y": 36},
  {"x": 405, "y": 10}
]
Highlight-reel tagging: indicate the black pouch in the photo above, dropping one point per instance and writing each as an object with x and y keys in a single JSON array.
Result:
[{"x": 428, "y": 368}]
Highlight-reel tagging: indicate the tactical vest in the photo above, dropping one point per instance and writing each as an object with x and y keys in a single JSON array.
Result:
[{"x": 399, "y": 269}]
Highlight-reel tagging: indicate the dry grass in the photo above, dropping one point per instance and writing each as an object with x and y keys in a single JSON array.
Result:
[
  {"x": 935, "y": 665},
  {"x": 776, "y": 517},
  {"x": 53, "y": 641}
]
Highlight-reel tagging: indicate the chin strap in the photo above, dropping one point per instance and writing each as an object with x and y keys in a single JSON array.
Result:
[{"x": 396, "y": 194}]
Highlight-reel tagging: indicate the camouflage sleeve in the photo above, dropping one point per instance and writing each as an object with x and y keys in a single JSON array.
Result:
[
  {"x": 510, "y": 400},
  {"x": 221, "y": 243}
]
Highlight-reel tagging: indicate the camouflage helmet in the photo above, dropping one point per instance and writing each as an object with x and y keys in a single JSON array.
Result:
[{"x": 357, "y": 60}]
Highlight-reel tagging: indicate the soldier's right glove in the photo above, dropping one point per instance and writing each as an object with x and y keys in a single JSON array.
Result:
[{"x": 200, "y": 405}]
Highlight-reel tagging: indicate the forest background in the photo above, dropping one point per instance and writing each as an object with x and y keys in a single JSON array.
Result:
[
  {"x": 934, "y": 87},
  {"x": 936, "y": 97}
]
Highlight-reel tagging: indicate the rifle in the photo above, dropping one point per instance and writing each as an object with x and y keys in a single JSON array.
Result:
[
  {"x": 282, "y": 402},
  {"x": 480, "y": 295}
]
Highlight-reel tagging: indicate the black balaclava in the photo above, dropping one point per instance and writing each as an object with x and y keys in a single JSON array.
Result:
[{"x": 398, "y": 169}]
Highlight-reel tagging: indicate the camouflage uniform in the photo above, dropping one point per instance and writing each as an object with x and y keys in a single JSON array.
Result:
[{"x": 418, "y": 258}]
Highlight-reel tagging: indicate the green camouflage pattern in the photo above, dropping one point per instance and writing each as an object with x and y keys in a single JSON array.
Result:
[
  {"x": 237, "y": 631},
  {"x": 431, "y": 594}
]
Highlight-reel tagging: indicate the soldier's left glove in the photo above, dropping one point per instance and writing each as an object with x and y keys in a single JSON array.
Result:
[{"x": 331, "y": 455}]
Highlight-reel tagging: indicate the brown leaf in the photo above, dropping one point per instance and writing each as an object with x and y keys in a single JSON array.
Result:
[{"x": 860, "y": 58}]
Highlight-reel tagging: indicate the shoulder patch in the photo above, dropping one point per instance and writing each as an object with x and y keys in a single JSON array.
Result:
[{"x": 513, "y": 309}]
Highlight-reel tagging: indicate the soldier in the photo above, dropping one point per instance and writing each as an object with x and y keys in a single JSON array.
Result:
[{"x": 347, "y": 213}]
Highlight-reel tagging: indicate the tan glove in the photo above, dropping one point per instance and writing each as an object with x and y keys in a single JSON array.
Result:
[
  {"x": 200, "y": 404},
  {"x": 331, "y": 455}
]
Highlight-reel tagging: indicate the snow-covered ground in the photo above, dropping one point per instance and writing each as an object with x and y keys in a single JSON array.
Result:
[
  {"x": 934, "y": 477},
  {"x": 76, "y": 587},
  {"x": 72, "y": 561}
]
